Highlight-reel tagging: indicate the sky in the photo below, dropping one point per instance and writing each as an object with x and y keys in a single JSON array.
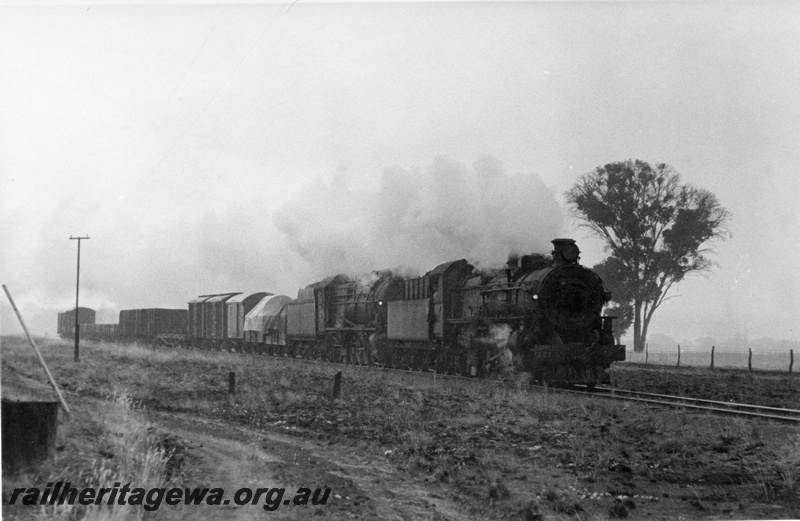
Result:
[{"x": 260, "y": 147}]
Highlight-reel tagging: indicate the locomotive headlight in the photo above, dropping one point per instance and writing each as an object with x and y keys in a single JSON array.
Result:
[
  {"x": 380, "y": 302},
  {"x": 535, "y": 297}
]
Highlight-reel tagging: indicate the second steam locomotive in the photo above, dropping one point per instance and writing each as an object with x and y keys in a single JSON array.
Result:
[{"x": 539, "y": 315}]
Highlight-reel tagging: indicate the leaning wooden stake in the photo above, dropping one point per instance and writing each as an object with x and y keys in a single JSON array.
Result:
[{"x": 36, "y": 349}]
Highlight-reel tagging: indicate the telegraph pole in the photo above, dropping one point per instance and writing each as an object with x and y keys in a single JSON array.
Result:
[{"x": 77, "y": 292}]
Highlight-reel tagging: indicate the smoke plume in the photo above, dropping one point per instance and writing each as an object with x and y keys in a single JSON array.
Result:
[{"x": 420, "y": 218}]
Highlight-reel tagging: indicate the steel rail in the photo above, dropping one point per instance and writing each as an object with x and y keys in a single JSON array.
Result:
[{"x": 699, "y": 404}]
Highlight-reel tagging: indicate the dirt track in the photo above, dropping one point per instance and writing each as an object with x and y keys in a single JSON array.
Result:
[{"x": 233, "y": 457}]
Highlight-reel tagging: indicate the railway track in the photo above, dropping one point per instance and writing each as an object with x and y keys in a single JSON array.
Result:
[
  {"x": 663, "y": 400},
  {"x": 698, "y": 404}
]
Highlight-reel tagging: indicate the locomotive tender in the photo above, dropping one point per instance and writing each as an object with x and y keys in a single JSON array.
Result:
[{"x": 539, "y": 316}]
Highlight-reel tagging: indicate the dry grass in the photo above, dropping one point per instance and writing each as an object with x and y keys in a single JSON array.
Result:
[
  {"x": 505, "y": 451},
  {"x": 105, "y": 442}
]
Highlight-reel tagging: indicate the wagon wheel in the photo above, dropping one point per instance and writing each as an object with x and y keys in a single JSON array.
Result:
[
  {"x": 363, "y": 354},
  {"x": 417, "y": 360},
  {"x": 395, "y": 358},
  {"x": 410, "y": 362},
  {"x": 423, "y": 360},
  {"x": 383, "y": 354},
  {"x": 386, "y": 356},
  {"x": 317, "y": 352},
  {"x": 331, "y": 347},
  {"x": 440, "y": 361},
  {"x": 404, "y": 359},
  {"x": 343, "y": 350},
  {"x": 454, "y": 362},
  {"x": 347, "y": 349}
]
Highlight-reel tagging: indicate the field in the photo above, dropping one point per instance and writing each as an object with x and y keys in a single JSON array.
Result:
[{"x": 396, "y": 446}]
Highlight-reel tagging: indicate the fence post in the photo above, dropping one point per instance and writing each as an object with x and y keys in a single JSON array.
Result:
[
  {"x": 231, "y": 387},
  {"x": 679, "y": 355},
  {"x": 712, "y": 357},
  {"x": 791, "y": 360},
  {"x": 646, "y": 352},
  {"x": 750, "y": 360},
  {"x": 337, "y": 385}
]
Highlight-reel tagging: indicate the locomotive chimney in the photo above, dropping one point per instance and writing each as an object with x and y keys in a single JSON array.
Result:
[
  {"x": 565, "y": 251},
  {"x": 511, "y": 265},
  {"x": 513, "y": 261}
]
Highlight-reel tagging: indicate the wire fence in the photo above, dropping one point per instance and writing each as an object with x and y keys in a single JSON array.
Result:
[{"x": 712, "y": 357}]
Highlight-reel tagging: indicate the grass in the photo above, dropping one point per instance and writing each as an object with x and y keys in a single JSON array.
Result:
[
  {"x": 505, "y": 452},
  {"x": 103, "y": 443}
]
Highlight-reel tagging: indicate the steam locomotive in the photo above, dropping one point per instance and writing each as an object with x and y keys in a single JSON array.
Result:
[{"x": 540, "y": 316}]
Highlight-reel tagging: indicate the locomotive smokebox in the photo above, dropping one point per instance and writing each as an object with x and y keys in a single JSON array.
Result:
[{"x": 565, "y": 251}]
